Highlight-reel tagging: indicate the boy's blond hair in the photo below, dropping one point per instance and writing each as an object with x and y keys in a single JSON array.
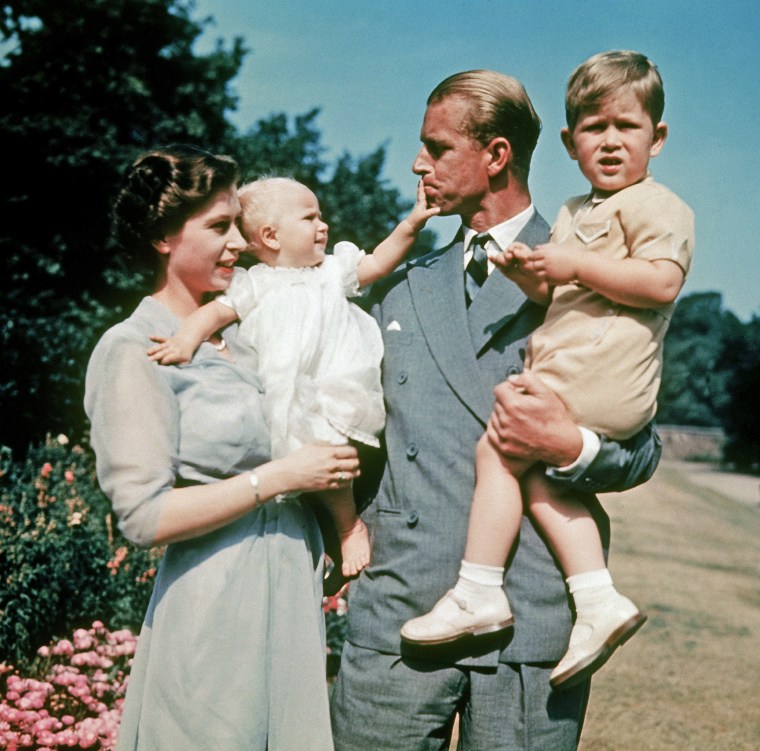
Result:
[{"x": 605, "y": 74}]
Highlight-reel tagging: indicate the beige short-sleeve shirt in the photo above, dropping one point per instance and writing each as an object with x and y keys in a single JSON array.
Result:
[{"x": 602, "y": 358}]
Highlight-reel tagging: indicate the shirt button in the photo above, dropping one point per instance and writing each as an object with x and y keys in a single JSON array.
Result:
[
  {"x": 412, "y": 451},
  {"x": 412, "y": 519},
  {"x": 512, "y": 370},
  {"x": 402, "y": 377}
]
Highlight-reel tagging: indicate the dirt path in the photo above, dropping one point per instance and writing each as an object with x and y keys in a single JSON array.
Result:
[
  {"x": 686, "y": 548},
  {"x": 742, "y": 488}
]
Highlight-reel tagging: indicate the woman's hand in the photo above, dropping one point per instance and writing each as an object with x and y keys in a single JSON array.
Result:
[{"x": 316, "y": 467}]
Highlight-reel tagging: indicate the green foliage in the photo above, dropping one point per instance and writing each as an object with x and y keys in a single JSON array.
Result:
[
  {"x": 741, "y": 412},
  {"x": 696, "y": 375},
  {"x": 61, "y": 559}
]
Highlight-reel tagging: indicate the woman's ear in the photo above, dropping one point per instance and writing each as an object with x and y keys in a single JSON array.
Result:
[
  {"x": 567, "y": 139},
  {"x": 162, "y": 246},
  {"x": 500, "y": 153}
]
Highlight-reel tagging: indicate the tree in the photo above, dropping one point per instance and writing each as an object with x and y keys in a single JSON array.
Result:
[
  {"x": 92, "y": 82},
  {"x": 695, "y": 375},
  {"x": 741, "y": 412}
]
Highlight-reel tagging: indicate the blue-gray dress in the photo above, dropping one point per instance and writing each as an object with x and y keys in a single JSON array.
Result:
[{"x": 231, "y": 654}]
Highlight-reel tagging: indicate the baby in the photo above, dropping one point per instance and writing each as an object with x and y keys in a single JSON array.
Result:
[
  {"x": 615, "y": 263},
  {"x": 318, "y": 354}
]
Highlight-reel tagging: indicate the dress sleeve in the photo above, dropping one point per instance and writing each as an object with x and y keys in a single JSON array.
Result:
[
  {"x": 240, "y": 295},
  {"x": 347, "y": 257},
  {"x": 660, "y": 227},
  {"x": 134, "y": 420}
]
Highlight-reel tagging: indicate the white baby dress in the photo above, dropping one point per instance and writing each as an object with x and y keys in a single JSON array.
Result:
[{"x": 318, "y": 354}]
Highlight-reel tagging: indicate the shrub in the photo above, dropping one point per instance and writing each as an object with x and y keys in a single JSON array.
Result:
[{"x": 62, "y": 561}]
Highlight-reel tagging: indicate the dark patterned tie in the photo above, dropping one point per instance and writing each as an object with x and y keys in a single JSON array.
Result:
[{"x": 476, "y": 271}]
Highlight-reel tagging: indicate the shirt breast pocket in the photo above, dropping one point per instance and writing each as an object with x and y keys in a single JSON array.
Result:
[{"x": 589, "y": 232}]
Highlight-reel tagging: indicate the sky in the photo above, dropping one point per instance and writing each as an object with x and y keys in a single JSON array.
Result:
[{"x": 369, "y": 65}]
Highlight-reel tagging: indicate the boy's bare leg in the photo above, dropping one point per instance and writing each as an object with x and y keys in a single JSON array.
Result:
[
  {"x": 497, "y": 506},
  {"x": 605, "y": 619},
  {"x": 352, "y": 533},
  {"x": 566, "y": 522}
]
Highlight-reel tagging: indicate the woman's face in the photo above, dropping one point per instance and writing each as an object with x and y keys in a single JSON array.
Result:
[{"x": 200, "y": 256}]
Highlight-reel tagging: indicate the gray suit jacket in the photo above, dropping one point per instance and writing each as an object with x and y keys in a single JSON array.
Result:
[{"x": 441, "y": 364}]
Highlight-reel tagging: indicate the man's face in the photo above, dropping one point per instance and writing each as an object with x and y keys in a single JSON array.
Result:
[{"x": 452, "y": 166}]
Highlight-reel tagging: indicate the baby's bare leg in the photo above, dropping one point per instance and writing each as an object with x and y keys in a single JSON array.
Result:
[
  {"x": 354, "y": 538},
  {"x": 497, "y": 506}
]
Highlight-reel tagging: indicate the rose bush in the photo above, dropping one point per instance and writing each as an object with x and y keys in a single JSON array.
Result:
[{"x": 75, "y": 700}]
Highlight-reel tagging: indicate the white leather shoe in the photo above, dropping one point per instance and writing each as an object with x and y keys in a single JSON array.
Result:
[
  {"x": 594, "y": 639},
  {"x": 451, "y": 618}
]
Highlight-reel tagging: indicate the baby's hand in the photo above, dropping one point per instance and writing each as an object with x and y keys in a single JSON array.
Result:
[
  {"x": 170, "y": 350},
  {"x": 421, "y": 212},
  {"x": 513, "y": 262}
]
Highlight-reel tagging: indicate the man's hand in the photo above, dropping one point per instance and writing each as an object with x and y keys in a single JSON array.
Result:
[{"x": 529, "y": 421}]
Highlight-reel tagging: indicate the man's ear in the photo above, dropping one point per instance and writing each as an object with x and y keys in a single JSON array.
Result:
[
  {"x": 658, "y": 139},
  {"x": 567, "y": 139},
  {"x": 500, "y": 153},
  {"x": 269, "y": 238}
]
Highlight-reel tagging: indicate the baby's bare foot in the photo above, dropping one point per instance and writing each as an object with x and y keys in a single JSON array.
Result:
[{"x": 354, "y": 546}]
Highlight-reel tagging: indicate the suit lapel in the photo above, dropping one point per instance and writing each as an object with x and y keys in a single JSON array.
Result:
[
  {"x": 437, "y": 289},
  {"x": 500, "y": 299}
]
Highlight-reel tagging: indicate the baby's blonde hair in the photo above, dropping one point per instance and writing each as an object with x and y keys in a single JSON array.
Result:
[
  {"x": 260, "y": 202},
  {"x": 605, "y": 74}
]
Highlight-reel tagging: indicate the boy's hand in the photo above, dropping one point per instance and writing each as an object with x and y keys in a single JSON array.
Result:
[
  {"x": 512, "y": 262},
  {"x": 421, "y": 212},
  {"x": 554, "y": 263},
  {"x": 170, "y": 350}
]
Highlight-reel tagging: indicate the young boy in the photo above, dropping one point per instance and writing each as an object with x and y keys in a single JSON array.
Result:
[{"x": 616, "y": 261}]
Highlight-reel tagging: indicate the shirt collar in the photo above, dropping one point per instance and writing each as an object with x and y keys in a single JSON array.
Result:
[{"x": 505, "y": 233}]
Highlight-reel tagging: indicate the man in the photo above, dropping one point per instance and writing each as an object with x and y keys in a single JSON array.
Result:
[{"x": 443, "y": 359}]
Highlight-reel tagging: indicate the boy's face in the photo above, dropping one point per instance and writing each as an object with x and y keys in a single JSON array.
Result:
[
  {"x": 614, "y": 143},
  {"x": 301, "y": 233}
]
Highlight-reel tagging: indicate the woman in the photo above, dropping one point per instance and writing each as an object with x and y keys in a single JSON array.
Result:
[{"x": 231, "y": 654}]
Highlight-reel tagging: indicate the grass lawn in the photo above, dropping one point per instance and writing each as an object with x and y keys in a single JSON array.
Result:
[{"x": 690, "y": 679}]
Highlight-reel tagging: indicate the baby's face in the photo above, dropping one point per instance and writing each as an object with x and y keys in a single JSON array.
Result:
[
  {"x": 301, "y": 232},
  {"x": 614, "y": 142}
]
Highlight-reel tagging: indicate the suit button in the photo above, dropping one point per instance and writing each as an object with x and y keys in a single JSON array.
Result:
[
  {"x": 412, "y": 451},
  {"x": 412, "y": 519},
  {"x": 512, "y": 370},
  {"x": 401, "y": 377}
]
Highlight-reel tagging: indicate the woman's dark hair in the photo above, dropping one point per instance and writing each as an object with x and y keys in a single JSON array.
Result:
[{"x": 161, "y": 190}]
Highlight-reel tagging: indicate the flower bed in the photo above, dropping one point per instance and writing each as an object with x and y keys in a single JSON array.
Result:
[{"x": 76, "y": 701}]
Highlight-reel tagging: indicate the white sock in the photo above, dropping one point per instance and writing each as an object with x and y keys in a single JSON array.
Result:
[
  {"x": 478, "y": 581},
  {"x": 591, "y": 589}
]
